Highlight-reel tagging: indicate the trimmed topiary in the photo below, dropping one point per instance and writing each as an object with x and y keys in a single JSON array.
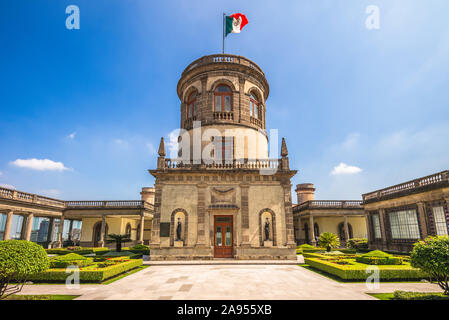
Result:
[
  {"x": 71, "y": 259},
  {"x": 328, "y": 240},
  {"x": 357, "y": 243},
  {"x": 19, "y": 259},
  {"x": 431, "y": 255},
  {"x": 377, "y": 257}
]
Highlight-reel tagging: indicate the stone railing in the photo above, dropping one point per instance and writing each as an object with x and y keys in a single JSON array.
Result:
[
  {"x": 412, "y": 185},
  {"x": 255, "y": 121},
  {"x": 30, "y": 197},
  {"x": 249, "y": 164},
  {"x": 223, "y": 115},
  {"x": 222, "y": 58},
  {"x": 330, "y": 204},
  {"x": 11, "y": 194},
  {"x": 108, "y": 204}
]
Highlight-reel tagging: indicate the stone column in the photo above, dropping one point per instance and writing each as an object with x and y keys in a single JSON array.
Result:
[
  {"x": 346, "y": 228},
  {"x": 311, "y": 230},
  {"x": 156, "y": 229},
  {"x": 201, "y": 239},
  {"x": 422, "y": 219},
  {"x": 368, "y": 228},
  {"x": 142, "y": 224},
  {"x": 61, "y": 229},
  {"x": 383, "y": 231},
  {"x": 298, "y": 238},
  {"x": 244, "y": 188},
  {"x": 289, "y": 215},
  {"x": 8, "y": 225},
  {"x": 103, "y": 230},
  {"x": 29, "y": 225}
]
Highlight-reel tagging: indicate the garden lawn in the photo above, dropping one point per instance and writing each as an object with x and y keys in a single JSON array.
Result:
[{"x": 411, "y": 296}]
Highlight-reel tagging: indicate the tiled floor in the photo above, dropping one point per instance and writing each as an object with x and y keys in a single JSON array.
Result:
[{"x": 226, "y": 282}]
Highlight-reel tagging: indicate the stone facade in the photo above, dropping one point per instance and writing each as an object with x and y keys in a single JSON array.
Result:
[
  {"x": 344, "y": 218},
  {"x": 248, "y": 189},
  {"x": 422, "y": 204}
]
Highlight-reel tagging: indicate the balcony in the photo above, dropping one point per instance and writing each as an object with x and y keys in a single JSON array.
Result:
[
  {"x": 222, "y": 58},
  {"x": 10, "y": 194},
  {"x": 329, "y": 204},
  {"x": 256, "y": 121},
  {"x": 433, "y": 181},
  {"x": 248, "y": 164},
  {"x": 116, "y": 204},
  {"x": 223, "y": 115}
]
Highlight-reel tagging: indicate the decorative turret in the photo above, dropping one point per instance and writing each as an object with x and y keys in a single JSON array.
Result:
[
  {"x": 161, "y": 158},
  {"x": 284, "y": 155}
]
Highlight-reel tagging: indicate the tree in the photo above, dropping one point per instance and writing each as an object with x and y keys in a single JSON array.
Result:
[
  {"x": 431, "y": 255},
  {"x": 118, "y": 239},
  {"x": 329, "y": 240},
  {"x": 19, "y": 259}
]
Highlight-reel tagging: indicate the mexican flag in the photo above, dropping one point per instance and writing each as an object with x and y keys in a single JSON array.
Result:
[{"x": 235, "y": 22}]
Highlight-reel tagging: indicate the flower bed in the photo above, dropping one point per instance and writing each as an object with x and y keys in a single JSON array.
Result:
[
  {"x": 96, "y": 272},
  {"x": 349, "y": 269}
]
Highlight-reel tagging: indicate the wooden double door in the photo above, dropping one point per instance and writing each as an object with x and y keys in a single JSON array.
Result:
[{"x": 223, "y": 237}]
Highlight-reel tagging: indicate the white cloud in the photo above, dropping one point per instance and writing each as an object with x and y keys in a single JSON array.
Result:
[
  {"x": 172, "y": 143},
  {"x": 343, "y": 168},
  {"x": 50, "y": 192},
  {"x": 72, "y": 135},
  {"x": 7, "y": 186},
  {"x": 39, "y": 164}
]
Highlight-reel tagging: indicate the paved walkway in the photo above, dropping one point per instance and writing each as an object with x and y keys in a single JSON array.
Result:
[{"x": 216, "y": 282}]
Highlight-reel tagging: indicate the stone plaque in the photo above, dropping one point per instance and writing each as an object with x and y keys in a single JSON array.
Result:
[{"x": 165, "y": 229}]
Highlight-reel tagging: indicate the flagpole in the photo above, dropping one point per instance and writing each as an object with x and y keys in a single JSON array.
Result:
[{"x": 224, "y": 27}]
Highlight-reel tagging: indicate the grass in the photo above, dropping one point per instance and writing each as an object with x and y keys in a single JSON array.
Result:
[
  {"x": 338, "y": 279},
  {"x": 125, "y": 274},
  {"x": 425, "y": 296},
  {"x": 41, "y": 297}
]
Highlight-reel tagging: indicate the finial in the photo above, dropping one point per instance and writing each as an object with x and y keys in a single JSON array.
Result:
[
  {"x": 284, "y": 151},
  {"x": 162, "y": 148}
]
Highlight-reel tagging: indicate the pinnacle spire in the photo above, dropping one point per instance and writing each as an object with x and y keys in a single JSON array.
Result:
[
  {"x": 162, "y": 148},
  {"x": 284, "y": 151}
]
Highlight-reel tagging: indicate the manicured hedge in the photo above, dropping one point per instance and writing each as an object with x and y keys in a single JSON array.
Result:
[
  {"x": 71, "y": 259},
  {"x": 89, "y": 275},
  {"x": 358, "y": 271}
]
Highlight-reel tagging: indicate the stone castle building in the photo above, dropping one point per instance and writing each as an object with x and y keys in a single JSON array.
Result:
[{"x": 223, "y": 197}]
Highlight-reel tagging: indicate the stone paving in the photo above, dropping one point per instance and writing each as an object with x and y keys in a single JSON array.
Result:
[{"x": 217, "y": 282}]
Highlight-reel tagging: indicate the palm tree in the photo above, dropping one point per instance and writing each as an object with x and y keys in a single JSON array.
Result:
[
  {"x": 118, "y": 239},
  {"x": 329, "y": 240}
]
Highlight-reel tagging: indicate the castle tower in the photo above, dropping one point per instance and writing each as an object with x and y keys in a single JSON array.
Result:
[{"x": 221, "y": 196}]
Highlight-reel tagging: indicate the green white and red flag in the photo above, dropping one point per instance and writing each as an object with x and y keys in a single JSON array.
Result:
[{"x": 234, "y": 23}]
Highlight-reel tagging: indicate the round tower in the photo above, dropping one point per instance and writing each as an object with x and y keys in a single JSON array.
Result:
[{"x": 227, "y": 95}]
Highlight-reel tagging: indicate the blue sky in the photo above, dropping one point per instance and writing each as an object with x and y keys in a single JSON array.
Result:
[{"x": 95, "y": 101}]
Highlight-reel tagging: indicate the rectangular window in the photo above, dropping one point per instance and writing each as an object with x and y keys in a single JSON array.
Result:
[
  {"x": 56, "y": 228},
  {"x": 256, "y": 111},
  {"x": 76, "y": 230},
  {"x": 376, "y": 226},
  {"x": 404, "y": 224},
  {"x": 66, "y": 230},
  {"x": 439, "y": 218},
  {"x": 223, "y": 149},
  {"x": 39, "y": 230},
  {"x": 227, "y": 102},
  {"x": 2, "y": 225},
  {"x": 218, "y": 103},
  {"x": 16, "y": 227}
]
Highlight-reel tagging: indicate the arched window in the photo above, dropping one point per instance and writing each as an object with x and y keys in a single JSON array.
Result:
[
  {"x": 191, "y": 105},
  {"x": 254, "y": 105},
  {"x": 341, "y": 231},
  {"x": 222, "y": 99},
  {"x": 128, "y": 229}
]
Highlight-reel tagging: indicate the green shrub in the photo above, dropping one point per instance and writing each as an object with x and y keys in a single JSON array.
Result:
[
  {"x": 333, "y": 253},
  {"x": 140, "y": 247},
  {"x": 19, "y": 260},
  {"x": 359, "y": 272},
  {"x": 380, "y": 261},
  {"x": 329, "y": 240},
  {"x": 410, "y": 295},
  {"x": 88, "y": 275},
  {"x": 70, "y": 259},
  {"x": 357, "y": 243},
  {"x": 431, "y": 255},
  {"x": 305, "y": 246}
]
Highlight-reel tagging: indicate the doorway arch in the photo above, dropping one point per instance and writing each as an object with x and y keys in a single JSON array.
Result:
[{"x": 97, "y": 232}]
